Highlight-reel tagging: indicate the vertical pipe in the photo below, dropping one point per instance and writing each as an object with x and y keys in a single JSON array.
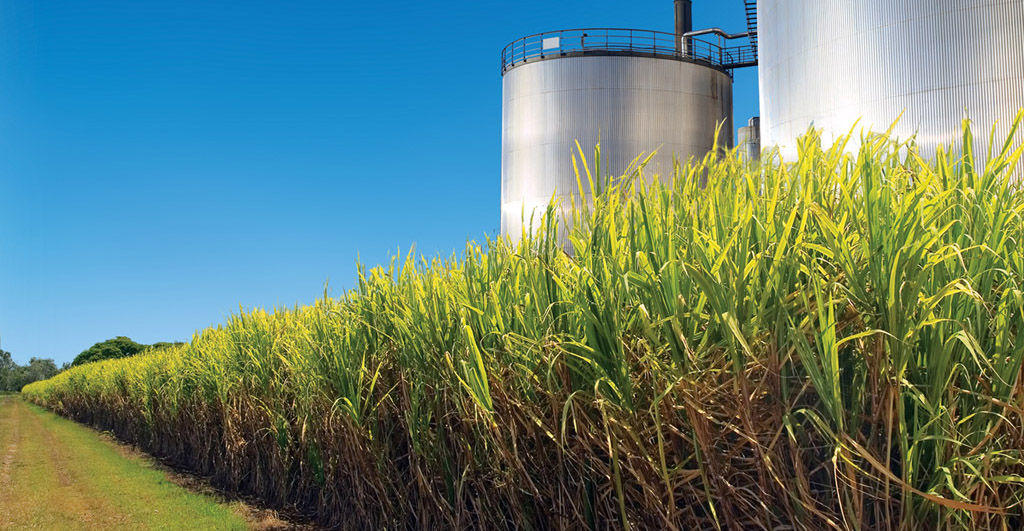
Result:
[{"x": 684, "y": 23}]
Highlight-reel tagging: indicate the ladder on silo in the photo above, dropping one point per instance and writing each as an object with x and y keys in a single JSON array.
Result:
[{"x": 750, "y": 9}]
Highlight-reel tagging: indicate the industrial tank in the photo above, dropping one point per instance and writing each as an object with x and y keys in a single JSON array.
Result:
[
  {"x": 632, "y": 91},
  {"x": 828, "y": 63},
  {"x": 748, "y": 140}
]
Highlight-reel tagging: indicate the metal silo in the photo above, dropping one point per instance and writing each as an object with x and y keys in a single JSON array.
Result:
[
  {"x": 634, "y": 91},
  {"x": 828, "y": 63}
]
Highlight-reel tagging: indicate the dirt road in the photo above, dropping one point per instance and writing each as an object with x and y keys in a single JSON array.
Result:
[{"x": 55, "y": 474}]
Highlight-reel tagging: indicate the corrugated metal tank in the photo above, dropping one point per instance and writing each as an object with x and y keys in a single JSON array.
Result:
[
  {"x": 631, "y": 104},
  {"x": 831, "y": 62}
]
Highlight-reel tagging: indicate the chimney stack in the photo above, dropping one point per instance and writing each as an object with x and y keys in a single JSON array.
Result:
[{"x": 684, "y": 22}]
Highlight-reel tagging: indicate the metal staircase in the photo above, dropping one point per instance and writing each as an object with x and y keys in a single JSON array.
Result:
[{"x": 750, "y": 8}]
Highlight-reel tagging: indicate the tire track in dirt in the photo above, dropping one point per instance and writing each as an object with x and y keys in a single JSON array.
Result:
[
  {"x": 11, "y": 449},
  {"x": 58, "y": 460}
]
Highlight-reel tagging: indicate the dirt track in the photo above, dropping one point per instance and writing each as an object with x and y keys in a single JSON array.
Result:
[{"x": 57, "y": 475}]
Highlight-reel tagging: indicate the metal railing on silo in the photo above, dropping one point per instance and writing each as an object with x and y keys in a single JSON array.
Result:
[{"x": 623, "y": 41}]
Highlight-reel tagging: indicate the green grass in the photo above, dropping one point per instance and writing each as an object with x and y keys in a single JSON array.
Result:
[
  {"x": 59, "y": 475},
  {"x": 831, "y": 343}
]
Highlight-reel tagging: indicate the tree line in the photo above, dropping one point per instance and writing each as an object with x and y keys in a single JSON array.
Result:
[{"x": 13, "y": 376}]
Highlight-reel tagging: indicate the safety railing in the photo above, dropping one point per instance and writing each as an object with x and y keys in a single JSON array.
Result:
[{"x": 616, "y": 41}]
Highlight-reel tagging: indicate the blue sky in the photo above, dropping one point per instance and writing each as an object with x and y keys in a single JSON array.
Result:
[{"x": 163, "y": 164}]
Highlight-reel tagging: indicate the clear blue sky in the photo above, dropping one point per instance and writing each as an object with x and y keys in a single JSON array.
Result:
[{"x": 163, "y": 163}]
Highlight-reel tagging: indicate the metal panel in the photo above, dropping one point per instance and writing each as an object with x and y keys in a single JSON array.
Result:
[
  {"x": 828, "y": 63},
  {"x": 633, "y": 105}
]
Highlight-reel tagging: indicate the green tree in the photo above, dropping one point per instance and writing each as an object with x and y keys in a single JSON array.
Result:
[
  {"x": 40, "y": 369},
  {"x": 118, "y": 347},
  {"x": 13, "y": 376},
  {"x": 7, "y": 370}
]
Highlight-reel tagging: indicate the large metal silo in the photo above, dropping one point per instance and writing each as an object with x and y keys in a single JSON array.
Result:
[
  {"x": 634, "y": 91},
  {"x": 828, "y": 63}
]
